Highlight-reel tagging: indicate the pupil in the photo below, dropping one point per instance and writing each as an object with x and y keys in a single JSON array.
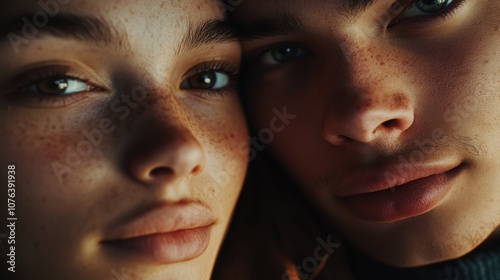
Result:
[
  {"x": 205, "y": 81},
  {"x": 53, "y": 87},
  {"x": 283, "y": 54},
  {"x": 431, "y": 6}
]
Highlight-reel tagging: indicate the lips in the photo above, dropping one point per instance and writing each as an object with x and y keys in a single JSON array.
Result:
[
  {"x": 166, "y": 234},
  {"x": 390, "y": 193}
]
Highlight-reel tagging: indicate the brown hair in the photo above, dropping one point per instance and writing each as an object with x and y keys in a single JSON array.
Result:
[{"x": 274, "y": 228}]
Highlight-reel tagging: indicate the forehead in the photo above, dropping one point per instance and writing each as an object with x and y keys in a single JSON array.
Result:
[
  {"x": 149, "y": 28},
  {"x": 153, "y": 16},
  {"x": 296, "y": 16},
  {"x": 335, "y": 6},
  {"x": 318, "y": 15},
  {"x": 133, "y": 7}
]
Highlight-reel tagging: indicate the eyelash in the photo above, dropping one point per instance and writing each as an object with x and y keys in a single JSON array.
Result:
[
  {"x": 443, "y": 14},
  {"x": 223, "y": 66},
  {"x": 292, "y": 44},
  {"x": 21, "y": 94}
]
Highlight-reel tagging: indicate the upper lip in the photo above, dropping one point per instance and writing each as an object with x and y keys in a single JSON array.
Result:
[
  {"x": 386, "y": 176},
  {"x": 165, "y": 219}
]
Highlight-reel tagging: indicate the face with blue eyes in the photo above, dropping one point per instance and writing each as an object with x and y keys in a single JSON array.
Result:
[
  {"x": 397, "y": 128},
  {"x": 128, "y": 139}
]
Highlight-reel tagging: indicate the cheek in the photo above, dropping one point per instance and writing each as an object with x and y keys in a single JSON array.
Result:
[
  {"x": 269, "y": 93},
  {"x": 286, "y": 115},
  {"x": 223, "y": 134},
  {"x": 42, "y": 146},
  {"x": 288, "y": 128},
  {"x": 222, "y": 130},
  {"x": 471, "y": 95}
]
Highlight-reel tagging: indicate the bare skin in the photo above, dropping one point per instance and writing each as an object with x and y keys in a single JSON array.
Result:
[
  {"x": 393, "y": 84},
  {"x": 136, "y": 115}
]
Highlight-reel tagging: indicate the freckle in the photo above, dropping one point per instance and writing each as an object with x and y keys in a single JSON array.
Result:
[
  {"x": 497, "y": 28},
  {"x": 35, "y": 245},
  {"x": 400, "y": 101},
  {"x": 39, "y": 48}
]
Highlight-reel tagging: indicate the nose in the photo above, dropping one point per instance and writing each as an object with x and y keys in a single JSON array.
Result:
[
  {"x": 368, "y": 120},
  {"x": 165, "y": 154},
  {"x": 368, "y": 102}
]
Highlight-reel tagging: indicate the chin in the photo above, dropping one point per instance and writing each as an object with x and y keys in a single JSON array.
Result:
[
  {"x": 414, "y": 247},
  {"x": 425, "y": 256},
  {"x": 419, "y": 241}
]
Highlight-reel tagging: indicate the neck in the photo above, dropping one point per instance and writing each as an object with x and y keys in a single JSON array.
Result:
[{"x": 482, "y": 263}]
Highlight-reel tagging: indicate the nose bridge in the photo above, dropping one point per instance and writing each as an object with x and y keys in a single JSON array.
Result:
[
  {"x": 165, "y": 110},
  {"x": 368, "y": 99},
  {"x": 368, "y": 78},
  {"x": 366, "y": 66},
  {"x": 164, "y": 146}
]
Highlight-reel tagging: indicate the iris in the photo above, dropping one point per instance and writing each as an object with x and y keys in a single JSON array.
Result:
[{"x": 431, "y": 6}]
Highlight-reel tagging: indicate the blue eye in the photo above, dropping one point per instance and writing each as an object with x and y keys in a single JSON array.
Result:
[
  {"x": 282, "y": 54},
  {"x": 425, "y": 8},
  {"x": 59, "y": 86},
  {"x": 211, "y": 80}
]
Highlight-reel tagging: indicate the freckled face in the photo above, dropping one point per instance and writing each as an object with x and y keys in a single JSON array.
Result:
[
  {"x": 105, "y": 123},
  {"x": 413, "y": 85}
]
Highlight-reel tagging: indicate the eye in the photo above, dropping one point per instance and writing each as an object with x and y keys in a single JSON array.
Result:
[
  {"x": 52, "y": 86},
  {"x": 211, "y": 80},
  {"x": 425, "y": 8},
  {"x": 282, "y": 54},
  {"x": 58, "y": 86}
]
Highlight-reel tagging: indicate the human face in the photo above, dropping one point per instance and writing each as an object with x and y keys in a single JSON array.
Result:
[
  {"x": 396, "y": 137},
  {"x": 125, "y": 129}
]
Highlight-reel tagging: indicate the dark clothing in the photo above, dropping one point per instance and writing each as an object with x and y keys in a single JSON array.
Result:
[{"x": 481, "y": 264}]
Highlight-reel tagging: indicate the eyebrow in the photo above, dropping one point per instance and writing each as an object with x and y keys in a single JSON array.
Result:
[
  {"x": 283, "y": 24},
  {"x": 88, "y": 28},
  {"x": 357, "y": 6},
  {"x": 77, "y": 27},
  {"x": 208, "y": 32},
  {"x": 288, "y": 24}
]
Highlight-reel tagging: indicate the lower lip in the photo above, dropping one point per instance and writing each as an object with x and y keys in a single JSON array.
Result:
[
  {"x": 165, "y": 248},
  {"x": 405, "y": 201}
]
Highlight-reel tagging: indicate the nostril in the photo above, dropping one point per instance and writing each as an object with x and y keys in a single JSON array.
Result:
[
  {"x": 196, "y": 170},
  {"x": 390, "y": 123},
  {"x": 161, "y": 172}
]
